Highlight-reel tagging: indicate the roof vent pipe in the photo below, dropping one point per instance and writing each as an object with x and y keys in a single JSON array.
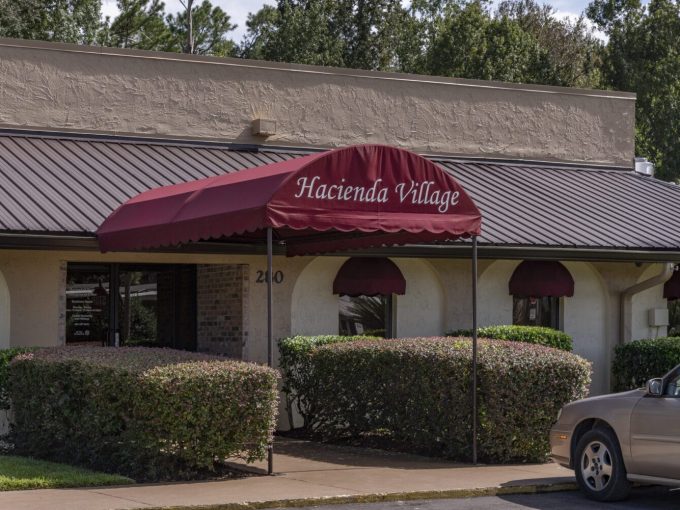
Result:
[{"x": 644, "y": 167}]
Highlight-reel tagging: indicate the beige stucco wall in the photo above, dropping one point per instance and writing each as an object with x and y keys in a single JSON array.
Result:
[
  {"x": 643, "y": 302},
  {"x": 419, "y": 312},
  {"x": 583, "y": 315},
  {"x": 584, "y": 318},
  {"x": 437, "y": 298},
  {"x": 64, "y": 87}
]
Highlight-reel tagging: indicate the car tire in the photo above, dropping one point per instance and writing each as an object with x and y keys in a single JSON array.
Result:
[{"x": 599, "y": 468}]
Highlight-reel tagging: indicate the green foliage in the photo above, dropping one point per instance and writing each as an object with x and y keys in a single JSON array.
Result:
[
  {"x": 140, "y": 25},
  {"x": 210, "y": 26},
  {"x": 6, "y": 355},
  {"x": 522, "y": 42},
  {"x": 294, "y": 363},
  {"x": 638, "y": 361},
  {"x": 674, "y": 317},
  {"x": 144, "y": 24},
  {"x": 569, "y": 52},
  {"x": 369, "y": 311},
  {"x": 146, "y": 413},
  {"x": 642, "y": 56},
  {"x": 529, "y": 334},
  {"x": 22, "y": 473},
  {"x": 418, "y": 392},
  {"x": 72, "y": 21}
]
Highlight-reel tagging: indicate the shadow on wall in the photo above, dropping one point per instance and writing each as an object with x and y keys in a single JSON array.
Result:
[{"x": 4, "y": 313}]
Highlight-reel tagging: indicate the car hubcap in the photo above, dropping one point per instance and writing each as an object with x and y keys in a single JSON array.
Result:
[{"x": 596, "y": 466}]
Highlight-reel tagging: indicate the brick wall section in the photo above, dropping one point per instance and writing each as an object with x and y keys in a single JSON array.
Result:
[{"x": 221, "y": 299}]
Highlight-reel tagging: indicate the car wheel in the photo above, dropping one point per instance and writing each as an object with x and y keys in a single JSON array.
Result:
[{"x": 599, "y": 467}]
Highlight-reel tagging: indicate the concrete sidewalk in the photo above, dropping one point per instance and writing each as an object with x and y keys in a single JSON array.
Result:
[{"x": 308, "y": 473}]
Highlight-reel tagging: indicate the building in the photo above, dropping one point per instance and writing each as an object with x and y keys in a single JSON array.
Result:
[{"x": 84, "y": 129}]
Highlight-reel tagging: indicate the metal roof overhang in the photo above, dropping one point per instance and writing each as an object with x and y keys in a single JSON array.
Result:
[
  {"x": 22, "y": 241},
  {"x": 58, "y": 188}
]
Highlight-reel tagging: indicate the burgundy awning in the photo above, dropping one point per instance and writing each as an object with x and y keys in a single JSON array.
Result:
[
  {"x": 349, "y": 198},
  {"x": 541, "y": 278},
  {"x": 671, "y": 289},
  {"x": 369, "y": 276}
]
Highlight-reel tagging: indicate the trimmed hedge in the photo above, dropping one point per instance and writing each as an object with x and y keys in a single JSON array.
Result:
[
  {"x": 146, "y": 413},
  {"x": 417, "y": 392},
  {"x": 529, "y": 334},
  {"x": 638, "y": 361},
  {"x": 295, "y": 369},
  {"x": 6, "y": 355}
]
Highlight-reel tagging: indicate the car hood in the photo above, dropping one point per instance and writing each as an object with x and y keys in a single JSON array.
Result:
[
  {"x": 601, "y": 406},
  {"x": 624, "y": 394}
]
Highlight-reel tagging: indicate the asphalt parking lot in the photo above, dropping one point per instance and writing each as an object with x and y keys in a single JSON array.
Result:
[{"x": 654, "y": 498}]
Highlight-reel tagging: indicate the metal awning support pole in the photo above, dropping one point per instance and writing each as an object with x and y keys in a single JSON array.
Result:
[
  {"x": 270, "y": 333},
  {"x": 474, "y": 349}
]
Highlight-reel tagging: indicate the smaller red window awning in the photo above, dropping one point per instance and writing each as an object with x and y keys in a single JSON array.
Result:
[
  {"x": 671, "y": 289},
  {"x": 369, "y": 276},
  {"x": 541, "y": 278}
]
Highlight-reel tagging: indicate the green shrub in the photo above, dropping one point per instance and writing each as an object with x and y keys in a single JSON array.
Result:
[
  {"x": 528, "y": 334},
  {"x": 295, "y": 369},
  {"x": 6, "y": 355},
  {"x": 417, "y": 391},
  {"x": 146, "y": 413},
  {"x": 637, "y": 362}
]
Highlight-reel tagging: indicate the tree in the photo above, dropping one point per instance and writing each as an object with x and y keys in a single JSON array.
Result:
[
  {"x": 299, "y": 31},
  {"x": 140, "y": 24},
  {"x": 520, "y": 42},
  {"x": 642, "y": 56},
  {"x": 201, "y": 30},
  {"x": 473, "y": 44},
  {"x": 365, "y": 34},
  {"x": 72, "y": 21},
  {"x": 572, "y": 52}
]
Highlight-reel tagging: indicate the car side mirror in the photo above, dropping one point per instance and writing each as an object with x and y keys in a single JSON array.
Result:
[{"x": 655, "y": 387}]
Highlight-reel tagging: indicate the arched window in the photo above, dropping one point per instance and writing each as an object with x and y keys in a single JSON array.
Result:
[
  {"x": 367, "y": 287},
  {"x": 537, "y": 287}
]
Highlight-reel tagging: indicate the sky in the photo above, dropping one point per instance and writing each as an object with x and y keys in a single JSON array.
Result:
[{"x": 239, "y": 9}]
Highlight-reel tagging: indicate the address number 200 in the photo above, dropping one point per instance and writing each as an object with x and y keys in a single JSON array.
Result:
[{"x": 277, "y": 277}]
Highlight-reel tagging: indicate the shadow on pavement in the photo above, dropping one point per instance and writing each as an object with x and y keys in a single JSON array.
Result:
[
  {"x": 642, "y": 498},
  {"x": 290, "y": 455}
]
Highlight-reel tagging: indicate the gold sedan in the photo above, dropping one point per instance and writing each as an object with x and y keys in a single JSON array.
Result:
[{"x": 613, "y": 440}]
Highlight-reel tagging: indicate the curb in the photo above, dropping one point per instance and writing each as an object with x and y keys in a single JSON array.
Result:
[{"x": 377, "y": 498}]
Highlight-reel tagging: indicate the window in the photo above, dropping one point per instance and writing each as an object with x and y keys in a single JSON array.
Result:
[
  {"x": 367, "y": 315},
  {"x": 155, "y": 305},
  {"x": 87, "y": 304},
  {"x": 536, "y": 311}
]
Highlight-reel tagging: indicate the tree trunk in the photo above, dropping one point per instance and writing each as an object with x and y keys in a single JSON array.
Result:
[{"x": 190, "y": 27}]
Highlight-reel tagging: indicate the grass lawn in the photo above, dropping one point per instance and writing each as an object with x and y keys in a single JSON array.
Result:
[{"x": 18, "y": 473}]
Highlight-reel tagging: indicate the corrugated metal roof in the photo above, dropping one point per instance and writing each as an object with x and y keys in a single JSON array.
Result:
[{"x": 68, "y": 185}]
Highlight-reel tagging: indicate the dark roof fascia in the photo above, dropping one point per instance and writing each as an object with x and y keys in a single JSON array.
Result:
[
  {"x": 453, "y": 251},
  {"x": 79, "y": 135},
  {"x": 464, "y": 251},
  {"x": 89, "y": 243}
]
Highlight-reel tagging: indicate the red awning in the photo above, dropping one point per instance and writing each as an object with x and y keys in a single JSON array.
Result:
[
  {"x": 541, "y": 278},
  {"x": 671, "y": 289},
  {"x": 369, "y": 276},
  {"x": 349, "y": 198}
]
